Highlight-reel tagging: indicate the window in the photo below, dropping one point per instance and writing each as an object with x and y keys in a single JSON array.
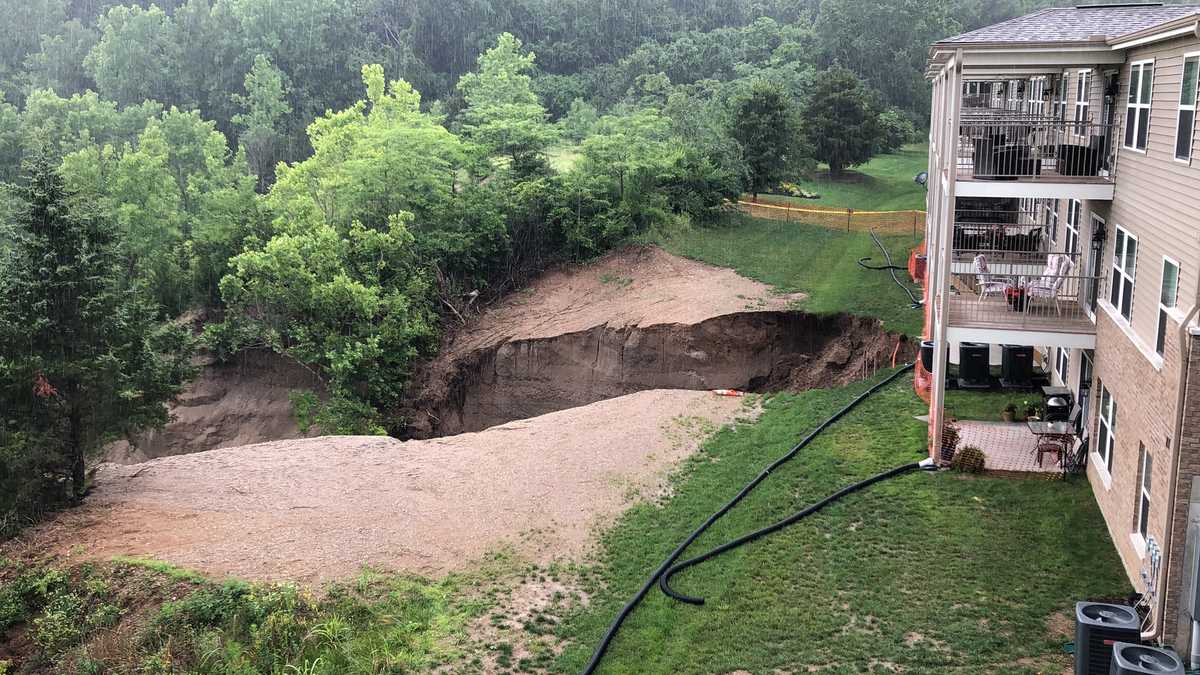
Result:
[
  {"x": 1082, "y": 91},
  {"x": 1186, "y": 121},
  {"x": 1062, "y": 364},
  {"x": 1137, "y": 110},
  {"x": 1143, "y": 518},
  {"x": 1124, "y": 271},
  {"x": 1168, "y": 296},
  {"x": 1074, "y": 208},
  {"x": 1107, "y": 428},
  {"x": 1037, "y": 92},
  {"x": 1058, "y": 106}
]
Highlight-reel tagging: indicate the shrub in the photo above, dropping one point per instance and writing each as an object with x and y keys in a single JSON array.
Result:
[
  {"x": 969, "y": 459},
  {"x": 950, "y": 438}
]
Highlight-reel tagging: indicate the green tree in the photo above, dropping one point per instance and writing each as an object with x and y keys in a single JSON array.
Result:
[
  {"x": 503, "y": 114},
  {"x": 370, "y": 161},
  {"x": 764, "y": 123},
  {"x": 351, "y": 306},
  {"x": 264, "y": 108},
  {"x": 841, "y": 121},
  {"x": 84, "y": 360},
  {"x": 895, "y": 130},
  {"x": 137, "y": 57}
]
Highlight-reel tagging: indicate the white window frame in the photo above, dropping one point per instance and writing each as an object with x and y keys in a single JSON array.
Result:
[
  {"x": 1142, "y": 107},
  {"x": 1037, "y": 90},
  {"x": 1186, "y": 107},
  {"x": 1106, "y": 428},
  {"x": 1062, "y": 365},
  {"x": 1164, "y": 310},
  {"x": 1119, "y": 263},
  {"x": 1146, "y": 467},
  {"x": 1083, "y": 103},
  {"x": 1058, "y": 103},
  {"x": 1074, "y": 214}
]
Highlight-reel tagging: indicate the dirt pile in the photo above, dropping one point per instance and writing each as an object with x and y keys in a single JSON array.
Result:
[
  {"x": 321, "y": 508},
  {"x": 229, "y": 404}
]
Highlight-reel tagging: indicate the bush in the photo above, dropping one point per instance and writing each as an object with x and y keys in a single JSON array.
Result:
[{"x": 969, "y": 459}]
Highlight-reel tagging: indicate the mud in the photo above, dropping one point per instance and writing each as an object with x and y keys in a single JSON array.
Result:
[{"x": 756, "y": 351}]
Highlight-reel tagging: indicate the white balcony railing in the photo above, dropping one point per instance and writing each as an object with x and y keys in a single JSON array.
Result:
[{"x": 1024, "y": 299}]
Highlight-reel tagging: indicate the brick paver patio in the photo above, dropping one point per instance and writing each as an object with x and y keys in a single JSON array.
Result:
[{"x": 1009, "y": 447}]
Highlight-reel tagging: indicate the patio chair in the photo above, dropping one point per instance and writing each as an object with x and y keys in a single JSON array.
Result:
[
  {"x": 987, "y": 283},
  {"x": 1052, "y": 445},
  {"x": 1076, "y": 459},
  {"x": 1049, "y": 285}
]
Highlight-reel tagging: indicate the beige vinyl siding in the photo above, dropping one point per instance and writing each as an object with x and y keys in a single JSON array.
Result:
[{"x": 1157, "y": 198}]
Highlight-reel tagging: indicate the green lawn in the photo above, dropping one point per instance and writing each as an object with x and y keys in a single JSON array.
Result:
[
  {"x": 935, "y": 573},
  {"x": 883, "y": 184},
  {"x": 987, "y": 405},
  {"x": 816, "y": 260}
]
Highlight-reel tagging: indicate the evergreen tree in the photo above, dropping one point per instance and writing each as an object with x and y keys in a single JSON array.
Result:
[
  {"x": 841, "y": 120},
  {"x": 84, "y": 360},
  {"x": 764, "y": 123}
]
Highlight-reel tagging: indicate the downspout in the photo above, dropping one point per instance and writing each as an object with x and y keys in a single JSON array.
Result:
[{"x": 1169, "y": 543}]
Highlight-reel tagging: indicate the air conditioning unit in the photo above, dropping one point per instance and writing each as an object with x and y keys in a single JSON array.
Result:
[
  {"x": 1098, "y": 627},
  {"x": 1016, "y": 367},
  {"x": 1131, "y": 659},
  {"x": 974, "y": 368},
  {"x": 927, "y": 347}
]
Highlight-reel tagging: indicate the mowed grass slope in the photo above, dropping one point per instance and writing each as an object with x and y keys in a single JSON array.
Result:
[
  {"x": 933, "y": 573},
  {"x": 816, "y": 260},
  {"x": 883, "y": 184}
]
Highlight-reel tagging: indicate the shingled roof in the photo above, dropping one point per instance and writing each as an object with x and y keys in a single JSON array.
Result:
[{"x": 1076, "y": 24}]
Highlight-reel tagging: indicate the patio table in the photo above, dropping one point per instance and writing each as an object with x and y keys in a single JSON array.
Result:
[{"x": 1062, "y": 432}]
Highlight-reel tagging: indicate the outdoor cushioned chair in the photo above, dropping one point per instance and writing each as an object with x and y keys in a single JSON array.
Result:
[
  {"x": 1049, "y": 285},
  {"x": 987, "y": 283}
]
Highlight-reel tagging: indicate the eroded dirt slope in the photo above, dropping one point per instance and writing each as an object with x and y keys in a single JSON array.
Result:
[
  {"x": 321, "y": 508},
  {"x": 228, "y": 404}
]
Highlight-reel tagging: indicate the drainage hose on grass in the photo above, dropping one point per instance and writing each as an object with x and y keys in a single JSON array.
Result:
[
  {"x": 669, "y": 564},
  {"x": 664, "y": 581},
  {"x": 891, "y": 268}
]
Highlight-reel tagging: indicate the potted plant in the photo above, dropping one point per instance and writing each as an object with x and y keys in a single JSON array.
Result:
[
  {"x": 1009, "y": 413},
  {"x": 1031, "y": 411}
]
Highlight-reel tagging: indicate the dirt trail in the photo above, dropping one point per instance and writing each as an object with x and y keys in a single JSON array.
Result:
[{"x": 321, "y": 508}]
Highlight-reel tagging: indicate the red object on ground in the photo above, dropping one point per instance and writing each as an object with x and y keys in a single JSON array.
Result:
[
  {"x": 916, "y": 264},
  {"x": 728, "y": 392}
]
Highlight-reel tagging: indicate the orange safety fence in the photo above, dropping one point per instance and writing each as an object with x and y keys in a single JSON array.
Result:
[{"x": 850, "y": 220}]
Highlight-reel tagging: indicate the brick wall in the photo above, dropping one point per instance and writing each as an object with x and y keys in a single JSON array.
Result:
[
  {"x": 1189, "y": 468},
  {"x": 1146, "y": 399}
]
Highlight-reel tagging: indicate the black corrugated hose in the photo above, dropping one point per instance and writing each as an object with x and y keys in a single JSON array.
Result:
[
  {"x": 669, "y": 568},
  {"x": 917, "y": 303}
]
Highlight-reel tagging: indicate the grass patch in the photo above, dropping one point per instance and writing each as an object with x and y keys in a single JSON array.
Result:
[
  {"x": 931, "y": 573},
  {"x": 816, "y": 260},
  {"x": 137, "y": 615},
  {"x": 563, "y": 158},
  {"x": 987, "y": 406},
  {"x": 883, "y": 184}
]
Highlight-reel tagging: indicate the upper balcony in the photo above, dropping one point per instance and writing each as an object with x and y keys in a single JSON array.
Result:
[{"x": 1017, "y": 154}]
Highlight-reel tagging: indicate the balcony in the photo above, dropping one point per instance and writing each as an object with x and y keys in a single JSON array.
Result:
[
  {"x": 1005, "y": 153},
  {"x": 1026, "y": 295},
  {"x": 1019, "y": 147}
]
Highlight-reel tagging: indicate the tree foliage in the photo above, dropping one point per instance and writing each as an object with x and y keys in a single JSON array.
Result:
[
  {"x": 765, "y": 124},
  {"x": 85, "y": 360},
  {"x": 841, "y": 121}
]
